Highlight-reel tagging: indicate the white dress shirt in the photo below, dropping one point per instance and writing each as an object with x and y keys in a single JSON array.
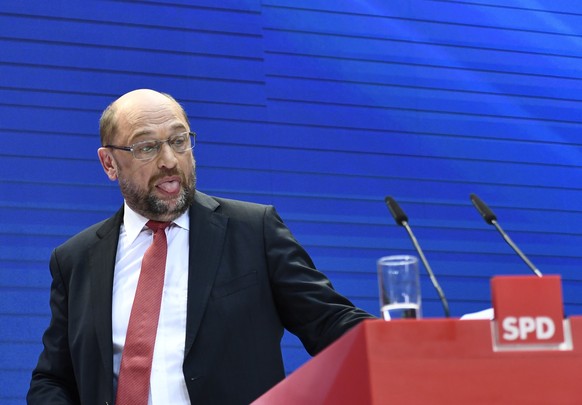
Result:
[{"x": 167, "y": 385}]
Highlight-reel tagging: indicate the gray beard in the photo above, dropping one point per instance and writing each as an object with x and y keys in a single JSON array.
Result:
[{"x": 147, "y": 204}]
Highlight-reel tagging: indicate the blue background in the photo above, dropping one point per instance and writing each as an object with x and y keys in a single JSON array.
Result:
[{"x": 321, "y": 108}]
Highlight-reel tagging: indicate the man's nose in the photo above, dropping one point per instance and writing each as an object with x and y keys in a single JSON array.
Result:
[{"x": 167, "y": 156}]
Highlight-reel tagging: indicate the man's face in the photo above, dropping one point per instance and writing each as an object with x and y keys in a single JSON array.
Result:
[{"x": 162, "y": 188}]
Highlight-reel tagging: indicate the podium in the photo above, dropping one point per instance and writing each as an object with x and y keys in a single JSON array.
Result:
[{"x": 433, "y": 361}]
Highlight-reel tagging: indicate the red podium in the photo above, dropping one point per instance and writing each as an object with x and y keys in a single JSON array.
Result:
[
  {"x": 438, "y": 361},
  {"x": 527, "y": 355}
]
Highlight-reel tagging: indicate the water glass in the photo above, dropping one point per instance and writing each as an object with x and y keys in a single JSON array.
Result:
[{"x": 399, "y": 286}]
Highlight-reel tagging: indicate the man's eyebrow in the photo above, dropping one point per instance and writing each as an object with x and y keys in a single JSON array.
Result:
[
  {"x": 140, "y": 134},
  {"x": 147, "y": 132},
  {"x": 179, "y": 126}
]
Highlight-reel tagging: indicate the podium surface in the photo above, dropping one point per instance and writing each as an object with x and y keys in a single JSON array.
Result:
[{"x": 433, "y": 361}]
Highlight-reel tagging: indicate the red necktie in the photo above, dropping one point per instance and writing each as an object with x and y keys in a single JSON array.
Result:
[{"x": 136, "y": 360}]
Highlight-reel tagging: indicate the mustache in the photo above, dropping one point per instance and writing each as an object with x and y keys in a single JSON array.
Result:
[{"x": 167, "y": 173}]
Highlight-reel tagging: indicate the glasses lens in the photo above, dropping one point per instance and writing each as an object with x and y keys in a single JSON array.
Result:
[
  {"x": 180, "y": 143},
  {"x": 145, "y": 150}
]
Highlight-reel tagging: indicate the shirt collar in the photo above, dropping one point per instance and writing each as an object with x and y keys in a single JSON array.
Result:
[{"x": 134, "y": 223}]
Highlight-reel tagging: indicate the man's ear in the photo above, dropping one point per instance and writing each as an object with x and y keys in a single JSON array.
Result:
[{"x": 108, "y": 163}]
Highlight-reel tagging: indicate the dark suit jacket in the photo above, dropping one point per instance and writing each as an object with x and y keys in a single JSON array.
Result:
[{"x": 248, "y": 279}]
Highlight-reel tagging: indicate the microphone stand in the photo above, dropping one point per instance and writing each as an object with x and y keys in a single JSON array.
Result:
[
  {"x": 490, "y": 218},
  {"x": 402, "y": 220},
  {"x": 428, "y": 269}
]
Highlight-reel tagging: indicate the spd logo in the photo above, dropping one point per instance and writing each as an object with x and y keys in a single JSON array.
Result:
[
  {"x": 519, "y": 329},
  {"x": 528, "y": 311}
]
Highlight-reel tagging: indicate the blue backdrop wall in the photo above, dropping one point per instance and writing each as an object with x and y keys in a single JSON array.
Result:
[{"x": 320, "y": 108}]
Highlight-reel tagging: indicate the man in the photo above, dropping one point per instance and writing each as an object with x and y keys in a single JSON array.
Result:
[{"x": 234, "y": 278}]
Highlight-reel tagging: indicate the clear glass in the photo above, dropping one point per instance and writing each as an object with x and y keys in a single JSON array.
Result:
[
  {"x": 147, "y": 150},
  {"x": 399, "y": 287}
]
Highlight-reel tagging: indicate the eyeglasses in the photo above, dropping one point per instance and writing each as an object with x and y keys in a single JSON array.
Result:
[{"x": 147, "y": 150}]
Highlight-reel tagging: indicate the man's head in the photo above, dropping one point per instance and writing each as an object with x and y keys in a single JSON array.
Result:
[{"x": 163, "y": 187}]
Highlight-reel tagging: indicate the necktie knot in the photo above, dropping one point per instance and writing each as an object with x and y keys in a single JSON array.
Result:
[{"x": 157, "y": 225}]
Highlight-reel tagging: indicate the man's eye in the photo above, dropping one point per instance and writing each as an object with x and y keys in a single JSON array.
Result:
[
  {"x": 147, "y": 148},
  {"x": 179, "y": 141}
]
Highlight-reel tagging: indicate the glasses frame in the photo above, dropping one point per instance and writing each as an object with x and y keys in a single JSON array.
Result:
[{"x": 159, "y": 143}]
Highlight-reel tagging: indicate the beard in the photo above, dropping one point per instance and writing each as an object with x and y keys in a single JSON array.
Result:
[{"x": 146, "y": 203}]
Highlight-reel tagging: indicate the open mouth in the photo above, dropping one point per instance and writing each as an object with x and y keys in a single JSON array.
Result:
[{"x": 169, "y": 185}]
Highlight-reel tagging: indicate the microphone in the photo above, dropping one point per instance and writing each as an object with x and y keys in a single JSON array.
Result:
[
  {"x": 402, "y": 220},
  {"x": 491, "y": 219}
]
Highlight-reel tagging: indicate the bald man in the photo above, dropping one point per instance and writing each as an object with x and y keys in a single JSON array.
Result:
[{"x": 234, "y": 279}]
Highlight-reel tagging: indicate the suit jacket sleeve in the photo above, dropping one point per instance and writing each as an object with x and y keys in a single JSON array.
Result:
[
  {"x": 307, "y": 303},
  {"x": 53, "y": 380}
]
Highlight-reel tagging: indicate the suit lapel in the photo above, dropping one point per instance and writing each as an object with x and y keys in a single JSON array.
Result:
[
  {"x": 207, "y": 235},
  {"x": 101, "y": 268}
]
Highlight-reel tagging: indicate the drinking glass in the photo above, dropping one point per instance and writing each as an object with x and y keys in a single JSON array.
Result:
[{"x": 399, "y": 287}]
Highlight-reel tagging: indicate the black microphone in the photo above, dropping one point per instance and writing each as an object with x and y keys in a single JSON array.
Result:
[
  {"x": 491, "y": 219},
  {"x": 402, "y": 220}
]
